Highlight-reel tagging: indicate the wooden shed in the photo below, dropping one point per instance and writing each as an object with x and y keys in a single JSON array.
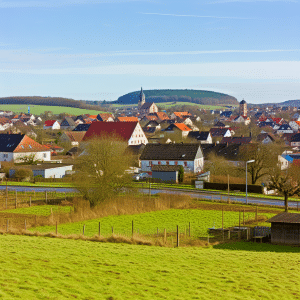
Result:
[{"x": 285, "y": 228}]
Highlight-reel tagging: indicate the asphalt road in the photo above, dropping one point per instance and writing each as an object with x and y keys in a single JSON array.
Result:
[{"x": 196, "y": 194}]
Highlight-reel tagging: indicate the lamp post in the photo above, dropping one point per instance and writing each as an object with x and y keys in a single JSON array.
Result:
[{"x": 247, "y": 162}]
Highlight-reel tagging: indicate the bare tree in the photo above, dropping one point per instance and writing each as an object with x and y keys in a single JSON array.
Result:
[
  {"x": 265, "y": 159},
  {"x": 101, "y": 169},
  {"x": 286, "y": 182}
]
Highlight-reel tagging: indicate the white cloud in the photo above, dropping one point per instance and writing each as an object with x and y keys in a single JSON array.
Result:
[
  {"x": 273, "y": 70},
  {"x": 195, "y": 16}
]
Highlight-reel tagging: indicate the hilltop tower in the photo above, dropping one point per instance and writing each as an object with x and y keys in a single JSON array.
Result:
[
  {"x": 142, "y": 100},
  {"x": 243, "y": 108}
]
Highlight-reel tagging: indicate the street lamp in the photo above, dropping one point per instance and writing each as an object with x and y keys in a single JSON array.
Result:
[{"x": 247, "y": 162}]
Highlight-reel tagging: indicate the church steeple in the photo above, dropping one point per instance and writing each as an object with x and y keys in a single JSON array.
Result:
[{"x": 142, "y": 100}]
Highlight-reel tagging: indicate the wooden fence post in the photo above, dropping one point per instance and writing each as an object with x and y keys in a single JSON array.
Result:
[
  {"x": 99, "y": 229},
  {"x": 189, "y": 229},
  {"x": 30, "y": 201},
  {"x": 83, "y": 230},
  {"x": 16, "y": 204},
  {"x": 239, "y": 219},
  {"x": 177, "y": 240},
  {"x": 132, "y": 228},
  {"x": 165, "y": 236},
  {"x": 7, "y": 224},
  {"x": 25, "y": 225}
]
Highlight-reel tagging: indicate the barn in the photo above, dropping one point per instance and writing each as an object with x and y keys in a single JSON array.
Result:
[{"x": 285, "y": 228}]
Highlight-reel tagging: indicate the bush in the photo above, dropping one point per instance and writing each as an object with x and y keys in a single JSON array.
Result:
[
  {"x": 24, "y": 174},
  {"x": 181, "y": 174}
]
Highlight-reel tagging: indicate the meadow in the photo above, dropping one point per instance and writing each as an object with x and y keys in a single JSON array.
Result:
[
  {"x": 39, "y": 109},
  {"x": 150, "y": 223},
  {"x": 50, "y": 268}
]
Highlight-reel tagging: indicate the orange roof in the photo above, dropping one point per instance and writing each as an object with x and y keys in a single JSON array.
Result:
[
  {"x": 105, "y": 116},
  {"x": 182, "y": 127},
  {"x": 181, "y": 114},
  {"x": 29, "y": 145},
  {"x": 128, "y": 119},
  {"x": 93, "y": 117},
  {"x": 162, "y": 115}
]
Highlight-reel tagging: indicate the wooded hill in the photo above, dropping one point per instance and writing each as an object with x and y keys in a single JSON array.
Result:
[
  {"x": 193, "y": 96},
  {"x": 49, "y": 101}
]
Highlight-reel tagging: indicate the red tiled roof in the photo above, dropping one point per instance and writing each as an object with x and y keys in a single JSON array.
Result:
[
  {"x": 49, "y": 122},
  {"x": 162, "y": 115},
  {"x": 29, "y": 145},
  {"x": 121, "y": 129},
  {"x": 181, "y": 113},
  {"x": 105, "y": 116},
  {"x": 277, "y": 120},
  {"x": 182, "y": 127},
  {"x": 128, "y": 119}
]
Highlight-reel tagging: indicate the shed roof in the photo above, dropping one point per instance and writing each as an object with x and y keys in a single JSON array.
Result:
[{"x": 285, "y": 218}]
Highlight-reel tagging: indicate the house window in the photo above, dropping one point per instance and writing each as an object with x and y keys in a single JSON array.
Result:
[
  {"x": 5, "y": 155},
  {"x": 167, "y": 162},
  {"x": 45, "y": 155},
  {"x": 150, "y": 163},
  {"x": 176, "y": 163},
  {"x": 159, "y": 162},
  {"x": 185, "y": 163}
]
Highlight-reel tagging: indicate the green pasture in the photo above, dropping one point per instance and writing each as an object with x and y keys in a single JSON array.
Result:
[
  {"x": 148, "y": 223},
  {"x": 41, "y": 210},
  {"x": 50, "y": 268},
  {"x": 39, "y": 109}
]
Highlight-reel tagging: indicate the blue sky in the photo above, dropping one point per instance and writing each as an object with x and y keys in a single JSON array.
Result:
[{"x": 100, "y": 50}]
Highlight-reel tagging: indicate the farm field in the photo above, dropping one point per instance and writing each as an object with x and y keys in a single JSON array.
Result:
[
  {"x": 49, "y": 268},
  {"x": 38, "y": 109},
  {"x": 149, "y": 223},
  {"x": 40, "y": 210}
]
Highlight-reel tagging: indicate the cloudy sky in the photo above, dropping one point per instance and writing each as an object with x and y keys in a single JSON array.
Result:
[{"x": 102, "y": 49}]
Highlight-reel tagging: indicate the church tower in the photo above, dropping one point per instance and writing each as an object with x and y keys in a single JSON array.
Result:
[
  {"x": 243, "y": 108},
  {"x": 142, "y": 100}
]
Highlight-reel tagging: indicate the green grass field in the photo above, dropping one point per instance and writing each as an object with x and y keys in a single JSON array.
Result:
[
  {"x": 38, "y": 109},
  {"x": 48, "y": 268},
  {"x": 40, "y": 210},
  {"x": 147, "y": 223}
]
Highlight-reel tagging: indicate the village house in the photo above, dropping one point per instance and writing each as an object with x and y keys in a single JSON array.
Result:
[
  {"x": 82, "y": 127},
  {"x": 105, "y": 117},
  {"x": 51, "y": 124},
  {"x": 178, "y": 128},
  {"x": 189, "y": 156},
  {"x": 127, "y": 119},
  {"x": 19, "y": 147},
  {"x": 203, "y": 137},
  {"x": 72, "y": 137},
  {"x": 236, "y": 140},
  {"x": 131, "y": 132},
  {"x": 67, "y": 123}
]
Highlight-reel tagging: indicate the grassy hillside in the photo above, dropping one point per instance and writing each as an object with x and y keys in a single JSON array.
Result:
[
  {"x": 47, "y": 268},
  {"x": 195, "y": 96},
  {"x": 38, "y": 109}
]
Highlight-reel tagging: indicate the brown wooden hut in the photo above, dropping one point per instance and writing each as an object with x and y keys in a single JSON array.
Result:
[{"x": 285, "y": 228}]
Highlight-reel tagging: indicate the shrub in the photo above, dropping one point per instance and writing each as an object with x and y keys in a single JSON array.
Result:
[{"x": 24, "y": 174}]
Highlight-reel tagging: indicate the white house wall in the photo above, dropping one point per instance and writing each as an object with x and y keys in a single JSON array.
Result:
[
  {"x": 42, "y": 156},
  {"x": 138, "y": 136}
]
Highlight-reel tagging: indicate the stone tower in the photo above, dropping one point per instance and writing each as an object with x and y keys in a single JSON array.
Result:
[
  {"x": 243, "y": 108},
  {"x": 142, "y": 100}
]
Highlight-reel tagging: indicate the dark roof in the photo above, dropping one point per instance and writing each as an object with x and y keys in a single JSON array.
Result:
[
  {"x": 295, "y": 137},
  {"x": 164, "y": 168},
  {"x": 135, "y": 149},
  {"x": 285, "y": 127},
  {"x": 260, "y": 137},
  {"x": 226, "y": 114},
  {"x": 243, "y": 102},
  {"x": 218, "y": 131},
  {"x": 236, "y": 140},
  {"x": 73, "y": 151},
  {"x": 147, "y": 105},
  {"x": 149, "y": 129},
  {"x": 285, "y": 218},
  {"x": 229, "y": 152},
  {"x": 9, "y": 142},
  {"x": 219, "y": 124},
  {"x": 264, "y": 124},
  {"x": 68, "y": 121},
  {"x": 199, "y": 135},
  {"x": 122, "y": 129},
  {"x": 82, "y": 127},
  {"x": 171, "y": 152}
]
